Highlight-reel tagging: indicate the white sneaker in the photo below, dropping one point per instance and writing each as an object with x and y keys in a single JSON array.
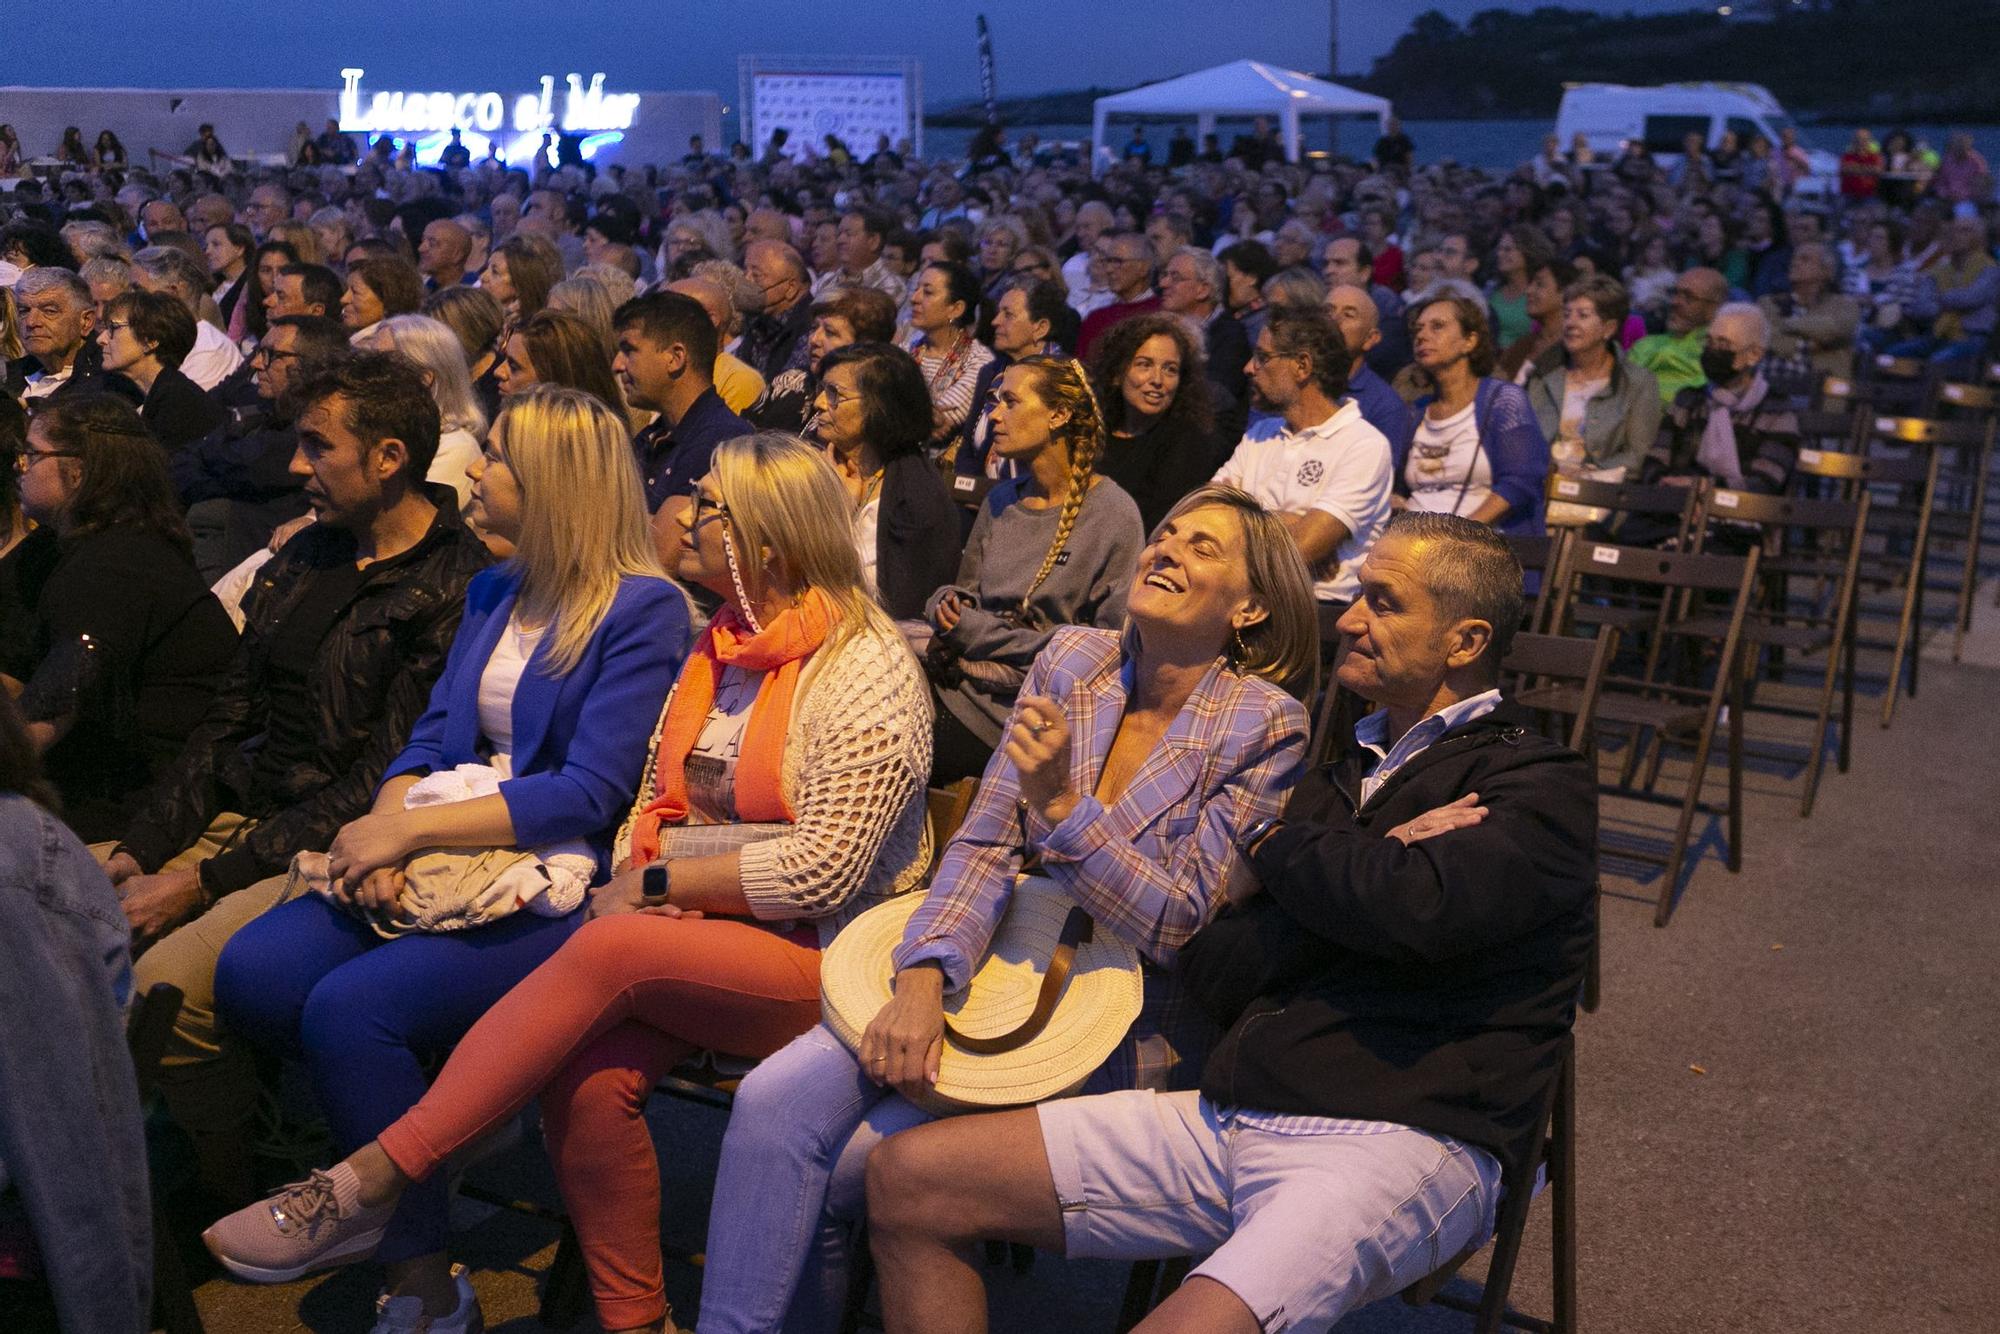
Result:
[{"x": 405, "y": 1315}]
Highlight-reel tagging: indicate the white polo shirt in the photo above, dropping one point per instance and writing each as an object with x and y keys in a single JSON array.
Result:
[
  {"x": 1340, "y": 467},
  {"x": 214, "y": 357}
]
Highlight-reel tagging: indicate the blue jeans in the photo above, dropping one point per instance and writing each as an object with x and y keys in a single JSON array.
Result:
[
  {"x": 365, "y": 1013},
  {"x": 790, "y": 1188}
]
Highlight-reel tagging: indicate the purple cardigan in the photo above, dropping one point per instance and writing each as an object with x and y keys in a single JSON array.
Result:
[{"x": 1514, "y": 445}]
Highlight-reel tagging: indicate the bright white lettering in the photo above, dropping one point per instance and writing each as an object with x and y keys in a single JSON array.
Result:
[{"x": 586, "y": 108}]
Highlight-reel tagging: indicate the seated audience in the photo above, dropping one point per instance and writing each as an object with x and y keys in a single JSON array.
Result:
[
  {"x": 57, "y": 317},
  {"x": 128, "y": 643},
  {"x": 1598, "y": 411},
  {"x": 1730, "y": 428},
  {"x": 1031, "y": 319},
  {"x": 1050, "y": 547},
  {"x": 1538, "y": 350},
  {"x": 857, "y": 246},
  {"x": 666, "y": 364},
  {"x": 1356, "y": 315},
  {"x": 519, "y": 274},
  {"x": 377, "y": 288},
  {"x": 736, "y": 382},
  {"x": 1214, "y": 654},
  {"x": 1813, "y": 325},
  {"x": 774, "y": 339},
  {"x": 1959, "y": 295},
  {"x": 237, "y": 481},
  {"x": 1193, "y": 286},
  {"x": 944, "y": 306},
  {"x": 476, "y": 318},
  {"x": 462, "y": 426},
  {"x": 346, "y": 630},
  {"x": 783, "y": 794},
  {"x": 850, "y": 315},
  {"x": 1316, "y": 463},
  {"x": 442, "y": 254},
  {"x": 1475, "y": 448},
  {"x": 1126, "y": 259},
  {"x": 72, "y": 1126},
  {"x": 1674, "y": 357},
  {"x": 228, "y": 247},
  {"x": 1336, "y": 1152},
  {"x": 26, "y": 549},
  {"x": 1159, "y": 429},
  {"x": 304, "y": 290},
  {"x": 872, "y": 413},
  {"x": 146, "y": 337},
  {"x": 161, "y": 268}
]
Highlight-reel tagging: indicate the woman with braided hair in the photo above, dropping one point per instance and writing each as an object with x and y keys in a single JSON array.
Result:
[
  {"x": 1137, "y": 759},
  {"x": 1052, "y": 546}
]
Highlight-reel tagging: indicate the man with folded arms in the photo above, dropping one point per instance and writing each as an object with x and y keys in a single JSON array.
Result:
[{"x": 1396, "y": 974}]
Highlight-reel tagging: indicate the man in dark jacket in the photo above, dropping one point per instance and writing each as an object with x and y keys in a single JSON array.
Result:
[
  {"x": 1396, "y": 973},
  {"x": 237, "y": 480},
  {"x": 346, "y": 630}
]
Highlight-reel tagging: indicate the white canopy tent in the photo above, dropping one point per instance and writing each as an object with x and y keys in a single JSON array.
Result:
[{"x": 1240, "y": 88}]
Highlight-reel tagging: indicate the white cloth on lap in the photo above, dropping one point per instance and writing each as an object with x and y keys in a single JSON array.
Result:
[{"x": 553, "y": 881}]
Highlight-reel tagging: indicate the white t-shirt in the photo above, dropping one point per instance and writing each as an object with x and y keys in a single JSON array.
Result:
[
  {"x": 866, "y": 520},
  {"x": 1340, "y": 467},
  {"x": 711, "y": 765},
  {"x": 497, "y": 684},
  {"x": 1440, "y": 457},
  {"x": 214, "y": 357}
]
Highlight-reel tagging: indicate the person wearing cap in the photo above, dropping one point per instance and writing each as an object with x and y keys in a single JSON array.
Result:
[
  {"x": 1396, "y": 971},
  {"x": 1131, "y": 762}
]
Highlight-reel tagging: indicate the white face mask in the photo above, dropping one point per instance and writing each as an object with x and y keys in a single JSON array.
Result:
[{"x": 975, "y": 215}]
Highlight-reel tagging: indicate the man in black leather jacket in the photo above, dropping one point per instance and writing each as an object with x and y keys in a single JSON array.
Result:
[
  {"x": 346, "y": 630},
  {"x": 1396, "y": 973}
]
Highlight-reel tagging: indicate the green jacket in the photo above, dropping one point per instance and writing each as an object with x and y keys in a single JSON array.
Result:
[{"x": 1674, "y": 361}]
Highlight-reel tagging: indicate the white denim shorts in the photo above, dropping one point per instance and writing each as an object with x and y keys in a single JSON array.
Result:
[{"x": 1304, "y": 1227}]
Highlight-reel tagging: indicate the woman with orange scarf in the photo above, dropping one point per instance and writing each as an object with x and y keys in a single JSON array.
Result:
[{"x": 785, "y": 795}]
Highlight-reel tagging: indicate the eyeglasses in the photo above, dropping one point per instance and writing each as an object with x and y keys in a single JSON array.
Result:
[
  {"x": 267, "y": 354},
  {"x": 29, "y": 458},
  {"x": 111, "y": 327},
  {"x": 705, "y": 510},
  {"x": 1259, "y": 357},
  {"x": 834, "y": 395}
]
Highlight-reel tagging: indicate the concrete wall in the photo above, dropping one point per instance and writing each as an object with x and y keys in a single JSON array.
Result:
[{"x": 257, "y": 121}]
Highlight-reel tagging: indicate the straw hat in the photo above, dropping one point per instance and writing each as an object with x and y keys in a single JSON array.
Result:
[{"x": 1096, "y": 1010}]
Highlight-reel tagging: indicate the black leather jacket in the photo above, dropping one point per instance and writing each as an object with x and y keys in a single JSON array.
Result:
[{"x": 376, "y": 668}]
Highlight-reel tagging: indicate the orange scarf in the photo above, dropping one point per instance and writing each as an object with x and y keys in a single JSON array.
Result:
[{"x": 778, "y": 652}]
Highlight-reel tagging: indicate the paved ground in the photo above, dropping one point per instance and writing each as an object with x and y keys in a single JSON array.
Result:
[{"x": 1784, "y": 1101}]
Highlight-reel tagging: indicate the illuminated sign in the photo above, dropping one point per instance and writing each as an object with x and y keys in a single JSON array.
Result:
[{"x": 586, "y": 107}]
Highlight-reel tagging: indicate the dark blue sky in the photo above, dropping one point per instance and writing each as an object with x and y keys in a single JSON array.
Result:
[{"x": 1039, "y": 45}]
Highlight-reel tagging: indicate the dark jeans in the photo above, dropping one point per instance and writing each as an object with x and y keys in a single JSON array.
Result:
[{"x": 956, "y": 751}]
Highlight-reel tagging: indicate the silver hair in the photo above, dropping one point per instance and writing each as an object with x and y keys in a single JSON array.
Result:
[
  {"x": 745, "y": 297},
  {"x": 93, "y": 239},
  {"x": 107, "y": 268},
  {"x": 47, "y": 278},
  {"x": 173, "y": 267},
  {"x": 432, "y": 345},
  {"x": 1207, "y": 268},
  {"x": 1757, "y": 325},
  {"x": 615, "y": 280}
]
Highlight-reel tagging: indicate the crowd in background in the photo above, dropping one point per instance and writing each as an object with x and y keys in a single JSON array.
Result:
[{"x": 400, "y": 565}]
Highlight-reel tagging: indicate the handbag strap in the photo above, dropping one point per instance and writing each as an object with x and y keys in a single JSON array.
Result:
[{"x": 1076, "y": 931}]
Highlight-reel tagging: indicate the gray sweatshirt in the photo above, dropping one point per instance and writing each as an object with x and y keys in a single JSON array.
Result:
[{"x": 1087, "y": 587}]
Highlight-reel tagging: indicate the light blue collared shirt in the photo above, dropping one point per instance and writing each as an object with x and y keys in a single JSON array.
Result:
[{"x": 1372, "y": 733}]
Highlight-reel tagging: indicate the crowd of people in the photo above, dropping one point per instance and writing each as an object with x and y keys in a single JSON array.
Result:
[{"x": 517, "y": 618}]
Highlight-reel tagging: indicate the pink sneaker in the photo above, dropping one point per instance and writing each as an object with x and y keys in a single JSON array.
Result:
[{"x": 313, "y": 1224}]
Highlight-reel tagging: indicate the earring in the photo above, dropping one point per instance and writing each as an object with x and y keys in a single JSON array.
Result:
[{"x": 1242, "y": 654}]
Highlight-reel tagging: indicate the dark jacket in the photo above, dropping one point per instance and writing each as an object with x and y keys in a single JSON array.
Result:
[
  {"x": 917, "y": 543},
  {"x": 162, "y": 643},
  {"x": 246, "y": 456},
  {"x": 1228, "y": 354},
  {"x": 376, "y": 668},
  {"x": 72, "y": 1134},
  {"x": 86, "y": 376},
  {"x": 176, "y": 411},
  {"x": 579, "y": 738},
  {"x": 1160, "y": 466},
  {"x": 970, "y": 461},
  {"x": 674, "y": 459},
  {"x": 774, "y": 343},
  {"x": 1427, "y": 986}
]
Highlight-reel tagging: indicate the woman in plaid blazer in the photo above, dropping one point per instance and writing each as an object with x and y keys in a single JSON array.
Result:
[{"x": 1132, "y": 764}]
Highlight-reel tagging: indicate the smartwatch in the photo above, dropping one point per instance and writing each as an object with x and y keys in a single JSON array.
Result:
[{"x": 653, "y": 885}]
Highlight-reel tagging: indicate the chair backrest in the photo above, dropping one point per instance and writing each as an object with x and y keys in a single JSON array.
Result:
[
  {"x": 148, "y": 1030},
  {"x": 1626, "y": 497},
  {"x": 970, "y": 492},
  {"x": 1860, "y": 467},
  {"x": 1970, "y": 397},
  {"x": 1926, "y": 431},
  {"x": 1664, "y": 569},
  {"x": 1783, "y": 511},
  {"x": 1541, "y": 561},
  {"x": 1583, "y": 662}
]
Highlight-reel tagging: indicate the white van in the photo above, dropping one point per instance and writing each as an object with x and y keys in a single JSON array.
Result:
[{"x": 1607, "y": 115}]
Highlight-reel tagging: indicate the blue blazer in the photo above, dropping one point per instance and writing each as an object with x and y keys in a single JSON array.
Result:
[{"x": 579, "y": 739}]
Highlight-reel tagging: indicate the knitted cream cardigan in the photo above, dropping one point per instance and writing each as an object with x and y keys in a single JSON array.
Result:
[{"x": 857, "y": 760}]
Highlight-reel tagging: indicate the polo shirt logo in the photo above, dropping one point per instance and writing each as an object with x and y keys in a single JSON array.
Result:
[
  {"x": 1311, "y": 471},
  {"x": 1062, "y": 557}
]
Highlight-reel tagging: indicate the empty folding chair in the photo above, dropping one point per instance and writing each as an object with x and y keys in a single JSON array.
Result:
[
  {"x": 1960, "y": 515},
  {"x": 1817, "y": 543},
  {"x": 1542, "y": 663},
  {"x": 1668, "y": 711}
]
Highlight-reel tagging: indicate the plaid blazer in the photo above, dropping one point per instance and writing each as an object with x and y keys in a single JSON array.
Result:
[{"x": 1149, "y": 868}]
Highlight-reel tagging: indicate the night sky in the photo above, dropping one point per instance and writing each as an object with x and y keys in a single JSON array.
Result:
[{"x": 1039, "y": 45}]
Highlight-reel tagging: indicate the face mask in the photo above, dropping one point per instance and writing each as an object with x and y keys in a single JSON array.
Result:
[{"x": 1718, "y": 366}]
